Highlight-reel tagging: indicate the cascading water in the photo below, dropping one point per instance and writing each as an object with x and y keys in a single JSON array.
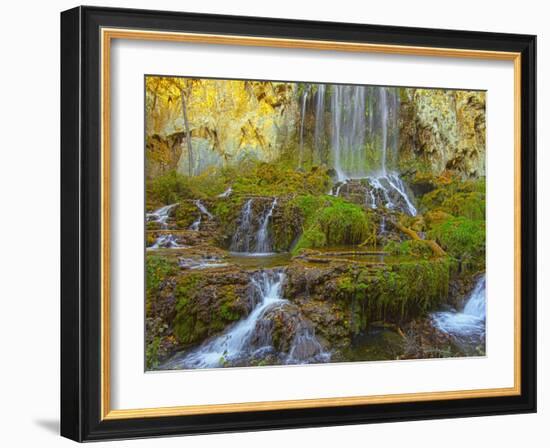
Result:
[
  {"x": 201, "y": 263},
  {"x": 165, "y": 241},
  {"x": 241, "y": 241},
  {"x": 251, "y": 338},
  {"x": 349, "y": 129},
  {"x": 349, "y": 156},
  {"x": 263, "y": 241},
  {"x": 236, "y": 343},
  {"x": 252, "y": 235},
  {"x": 468, "y": 325},
  {"x": 306, "y": 347},
  {"x": 336, "y": 123},
  {"x": 303, "y": 119},
  {"x": 383, "y": 107},
  {"x": 202, "y": 211},
  {"x": 226, "y": 193},
  {"x": 319, "y": 118},
  {"x": 161, "y": 216}
]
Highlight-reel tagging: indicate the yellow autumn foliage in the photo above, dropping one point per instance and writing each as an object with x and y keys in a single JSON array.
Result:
[{"x": 230, "y": 116}]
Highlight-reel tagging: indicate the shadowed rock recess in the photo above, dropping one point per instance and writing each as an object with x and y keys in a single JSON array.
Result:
[{"x": 299, "y": 223}]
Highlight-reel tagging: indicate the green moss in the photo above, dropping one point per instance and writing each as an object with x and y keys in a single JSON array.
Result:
[
  {"x": 271, "y": 179},
  {"x": 151, "y": 353},
  {"x": 397, "y": 293},
  {"x": 169, "y": 188},
  {"x": 196, "y": 317},
  {"x": 185, "y": 214},
  {"x": 312, "y": 238},
  {"x": 286, "y": 223},
  {"x": 470, "y": 205},
  {"x": 332, "y": 221},
  {"x": 228, "y": 312},
  {"x": 309, "y": 204},
  {"x": 157, "y": 270},
  {"x": 416, "y": 248},
  {"x": 463, "y": 239},
  {"x": 457, "y": 197},
  {"x": 188, "y": 328}
]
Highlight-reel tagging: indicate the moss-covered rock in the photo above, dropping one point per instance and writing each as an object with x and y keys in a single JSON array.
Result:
[
  {"x": 396, "y": 293},
  {"x": 159, "y": 309},
  {"x": 207, "y": 303},
  {"x": 265, "y": 179},
  {"x": 343, "y": 300},
  {"x": 463, "y": 239},
  {"x": 458, "y": 198},
  {"x": 413, "y": 248},
  {"x": 332, "y": 221},
  {"x": 184, "y": 307}
]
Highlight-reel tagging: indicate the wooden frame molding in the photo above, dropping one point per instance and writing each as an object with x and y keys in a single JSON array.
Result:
[
  {"x": 107, "y": 36},
  {"x": 87, "y": 36}
]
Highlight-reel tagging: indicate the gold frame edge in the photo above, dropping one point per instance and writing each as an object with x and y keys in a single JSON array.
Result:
[{"x": 107, "y": 35}]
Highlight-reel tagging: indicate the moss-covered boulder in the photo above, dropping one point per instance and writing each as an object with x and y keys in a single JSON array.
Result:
[
  {"x": 184, "y": 307},
  {"x": 463, "y": 239},
  {"x": 206, "y": 303},
  {"x": 342, "y": 300},
  {"x": 333, "y": 221}
]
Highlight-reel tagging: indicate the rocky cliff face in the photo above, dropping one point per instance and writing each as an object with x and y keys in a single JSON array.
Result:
[
  {"x": 162, "y": 154},
  {"x": 442, "y": 130},
  {"x": 227, "y": 122}
]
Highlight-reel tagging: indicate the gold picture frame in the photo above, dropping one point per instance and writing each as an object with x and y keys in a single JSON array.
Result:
[{"x": 107, "y": 33}]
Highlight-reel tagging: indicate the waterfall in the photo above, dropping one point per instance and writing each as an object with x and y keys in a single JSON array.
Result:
[
  {"x": 392, "y": 183},
  {"x": 306, "y": 347},
  {"x": 349, "y": 127},
  {"x": 251, "y": 337},
  {"x": 196, "y": 224},
  {"x": 263, "y": 242},
  {"x": 167, "y": 241},
  {"x": 240, "y": 341},
  {"x": 161, "y": 216},
  {"x": 394, "y": 97},
  {"x": 304, "y": 102},
  {"x": 252, "y": 235},
  {"x": 202, "y": 211},
  {"x": 356, "y": 136},
  {"x": 243, "y": 234},
  {"x": 383, "y": 108},
  {"x": 336, "y": 122},
  {"x": 226, "y": 193},
  {"x": 319, "y": 118},
  {"x": 467, "y": 325},
  {"x": 349, "y": 154},
  {"x": 371, "y": 111}
]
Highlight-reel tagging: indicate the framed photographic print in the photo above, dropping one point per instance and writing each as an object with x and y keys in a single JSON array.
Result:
[{"x": 275, "y": 224}]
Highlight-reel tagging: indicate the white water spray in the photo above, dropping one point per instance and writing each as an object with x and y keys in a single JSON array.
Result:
[{"x": 468, "y": 324}]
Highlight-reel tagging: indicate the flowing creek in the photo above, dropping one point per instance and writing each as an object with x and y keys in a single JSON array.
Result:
[
  {"x": 161, "y": 216},
  {"x": 250, "y": 338},
  {"x": 252, "y": 236},
  {"x": 467, "y": 326}
]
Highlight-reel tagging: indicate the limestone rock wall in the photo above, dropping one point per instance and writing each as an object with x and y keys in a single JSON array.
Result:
[{"x": 443, "y": 130}]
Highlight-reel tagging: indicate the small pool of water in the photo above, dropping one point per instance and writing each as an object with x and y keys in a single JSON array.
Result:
[
  {"x": 375, "y": 344},
  {"x": 259, "y": 261}
]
